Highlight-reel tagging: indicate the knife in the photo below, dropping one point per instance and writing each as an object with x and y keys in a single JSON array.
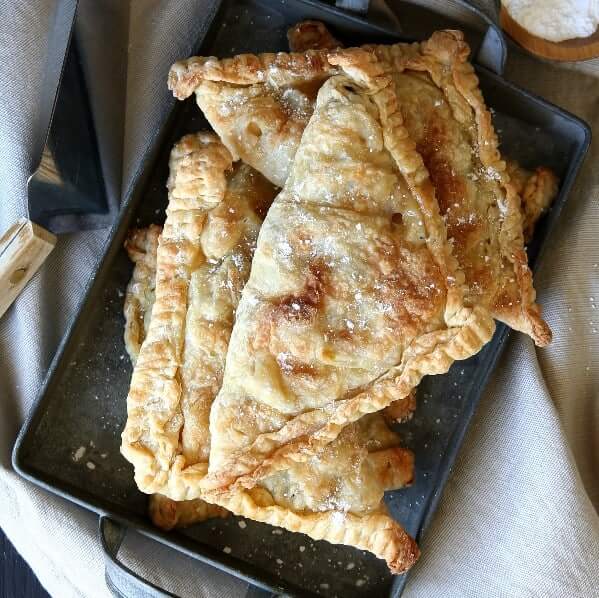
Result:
[{"x": 68, "y": 181}]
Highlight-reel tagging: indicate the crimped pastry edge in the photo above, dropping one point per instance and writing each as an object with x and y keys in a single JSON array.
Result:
[
  {"x": 376, "y": 532},
  {"x": 445, "y": 57},
  {"x": 160, "y": 355},
  {"x": 141, "y": 245}
]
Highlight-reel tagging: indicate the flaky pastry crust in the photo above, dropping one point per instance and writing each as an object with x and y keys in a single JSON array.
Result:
[
  {"x": 353, "y": 472},
  {"x": 311, "y": 35},
  {"x": 142, "y": 247},
  {"x": 446, "y": 116},
  {"x": 537, "y": 190}
]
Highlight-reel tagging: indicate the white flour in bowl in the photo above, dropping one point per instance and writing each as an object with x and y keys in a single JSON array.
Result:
[{"x": 555, "y": 20}]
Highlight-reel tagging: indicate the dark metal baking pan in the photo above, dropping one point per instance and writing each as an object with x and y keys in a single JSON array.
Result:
[{"x": 82, "y": 401}]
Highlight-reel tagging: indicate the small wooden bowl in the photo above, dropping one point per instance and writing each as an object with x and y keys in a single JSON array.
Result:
[{"x": 570, "y": 50}]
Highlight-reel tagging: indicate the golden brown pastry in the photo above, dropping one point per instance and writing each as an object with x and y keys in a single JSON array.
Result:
[
  {"x": 213, "y": 218},
  {"x": 537, "y": 190},
  {"x": 259, "y": 106},
  {"x": 142, "y": 247},
  {"x": 353, "y": 294},
  {"x": 336, "y": 494},
  {"x": 445, "y": 115},
  {"x": 364, "y": 462},
  {"x": 346, "y": 479},
  {"x": 167, "y": 514},
  {"x": 401, "y": 411}
]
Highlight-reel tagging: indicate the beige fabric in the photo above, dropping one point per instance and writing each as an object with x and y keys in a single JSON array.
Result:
[
  {"x": 515, "y": 519},
  {"x": 568, "y": 280}
]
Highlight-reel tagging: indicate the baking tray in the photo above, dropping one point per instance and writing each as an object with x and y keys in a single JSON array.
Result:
[{"x": 82, "y": 400}]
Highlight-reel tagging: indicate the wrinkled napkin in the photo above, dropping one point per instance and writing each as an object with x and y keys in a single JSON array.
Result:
[{"x": 518, "y": 516}]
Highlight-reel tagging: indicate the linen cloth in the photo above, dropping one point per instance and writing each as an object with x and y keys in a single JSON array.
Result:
[{"x": 518, "y": 516}]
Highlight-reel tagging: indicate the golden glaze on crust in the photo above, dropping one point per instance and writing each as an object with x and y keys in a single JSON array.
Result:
[
  {"x": 353, "y": 295},
  {"x": 263, "y": 113},
  {"x": 445, "y": 115}
]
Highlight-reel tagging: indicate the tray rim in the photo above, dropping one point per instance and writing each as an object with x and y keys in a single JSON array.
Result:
[{"x": 232, "y": 565}]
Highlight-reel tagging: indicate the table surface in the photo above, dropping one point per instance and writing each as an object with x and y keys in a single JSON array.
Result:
[{"x": 17, "y": 580}]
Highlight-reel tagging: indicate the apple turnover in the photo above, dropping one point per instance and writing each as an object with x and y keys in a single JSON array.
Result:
[
  {"x": 259, "y": 105},
  {"x": 142, "y": 246},
  {"x": 200, "y": 265},
  {"x": 353, "y": 294},
  {"x": 353, "y": 471},
  {"x": 213, "y": 218}
]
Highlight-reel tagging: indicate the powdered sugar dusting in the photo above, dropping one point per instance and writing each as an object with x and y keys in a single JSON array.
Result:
[{"x": 555, "y": 20}]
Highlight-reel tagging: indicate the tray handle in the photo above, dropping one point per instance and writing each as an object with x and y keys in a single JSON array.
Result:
[
  {"x": 493, "y": 50},
  {"x": 125, "y": 583},
  {"x": 122, "y": 581}
]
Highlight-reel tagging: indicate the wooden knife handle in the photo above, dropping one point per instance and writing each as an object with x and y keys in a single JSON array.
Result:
[{"x": 23, "y": 249}]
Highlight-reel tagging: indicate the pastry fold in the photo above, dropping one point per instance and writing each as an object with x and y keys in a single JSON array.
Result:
[
  {"x": 355, "y": 290},
  {"x": 260, "y": 105},
  {"x": 369, "y": 443}
]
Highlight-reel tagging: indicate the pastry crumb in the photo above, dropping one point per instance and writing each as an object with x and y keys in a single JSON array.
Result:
[
  {"x": 90, "y": 465},
  {"x": 79, "y": 453},
  {"x": 242, "y": 524},
  {"x": 302, "y": 548},
  {"x": 227, "y": 550},
  {"x": 350, "y": 566}
]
